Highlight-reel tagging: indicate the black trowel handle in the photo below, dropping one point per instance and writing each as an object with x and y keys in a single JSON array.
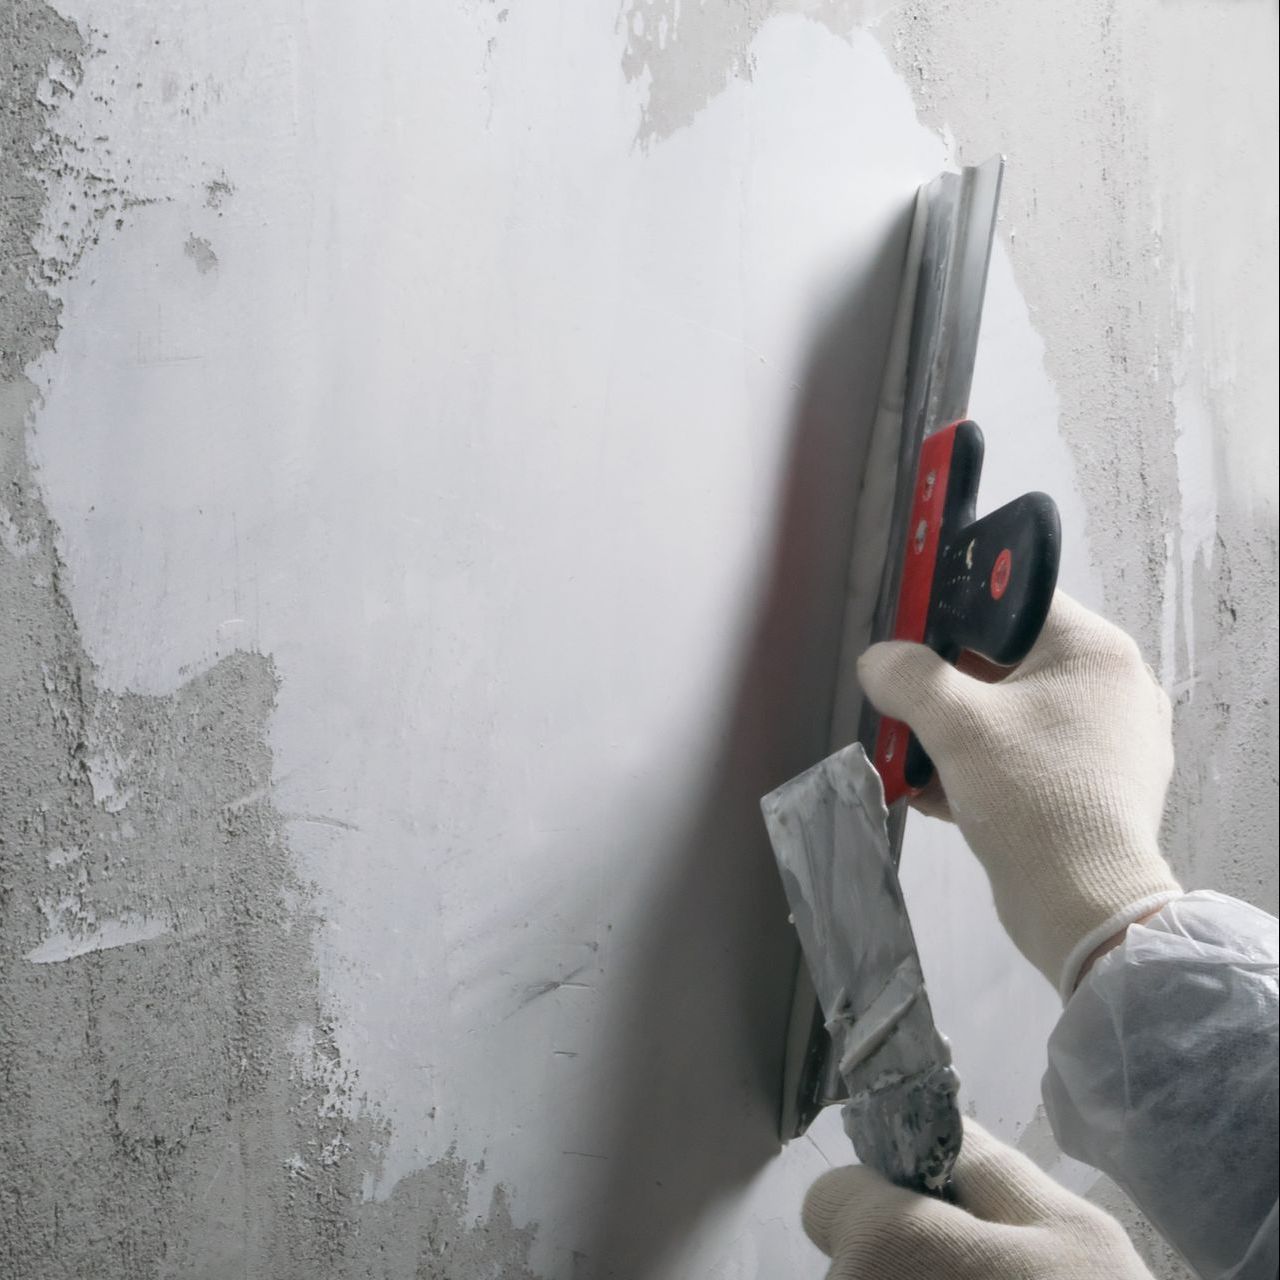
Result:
[{"x": 992, "y": 588}]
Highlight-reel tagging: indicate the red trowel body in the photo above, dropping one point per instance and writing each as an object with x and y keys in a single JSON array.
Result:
[{"x": 982, "y": 586}]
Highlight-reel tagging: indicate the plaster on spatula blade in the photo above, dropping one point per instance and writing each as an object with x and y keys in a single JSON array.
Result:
[{"x": 829, "y": 834}]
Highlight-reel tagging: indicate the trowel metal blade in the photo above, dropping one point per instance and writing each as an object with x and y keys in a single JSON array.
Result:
[
  {"x": 926, "y": 387},
  {"x": 829, "y": 835}
]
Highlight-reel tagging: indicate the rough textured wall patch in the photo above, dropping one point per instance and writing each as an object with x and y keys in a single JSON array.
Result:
[{"x": 174, "y": 1103}]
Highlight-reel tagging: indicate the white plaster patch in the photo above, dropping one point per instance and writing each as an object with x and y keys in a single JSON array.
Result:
[{"x": 101, "y": 935}]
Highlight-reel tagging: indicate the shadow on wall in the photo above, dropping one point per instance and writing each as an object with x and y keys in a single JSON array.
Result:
[{"x": 692, "y": 1111}]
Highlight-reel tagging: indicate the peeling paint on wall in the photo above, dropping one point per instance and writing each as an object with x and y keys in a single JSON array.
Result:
[{"x": 173, "y": 1102}]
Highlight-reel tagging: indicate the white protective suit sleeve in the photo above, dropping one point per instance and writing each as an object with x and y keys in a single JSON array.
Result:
[{"x": 1162, "y": 1073}]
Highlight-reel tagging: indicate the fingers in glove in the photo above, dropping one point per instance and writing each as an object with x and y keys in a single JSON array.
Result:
[
  {"x": 830, "y": 1201},
  {"x": 1071, "y": 632},
  {"x": 866, "y": 1221},
  {"x": 998, "y": 1184},
  {"x": 1068, "y": 627},
  {"x": 909, "y": 682}
]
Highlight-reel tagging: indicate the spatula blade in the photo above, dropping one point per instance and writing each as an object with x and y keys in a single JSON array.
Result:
[{"x": 829, "y": 835}]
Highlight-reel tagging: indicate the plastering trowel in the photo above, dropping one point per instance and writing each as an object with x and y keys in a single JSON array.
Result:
[{"x": 923, "y": 569}]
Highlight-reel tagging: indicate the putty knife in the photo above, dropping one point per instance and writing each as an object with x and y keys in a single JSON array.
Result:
[
  {"x": 981, "y": 586},
  {"x": 828, "y": 829},
  {"x": 865, "y": 1036}
]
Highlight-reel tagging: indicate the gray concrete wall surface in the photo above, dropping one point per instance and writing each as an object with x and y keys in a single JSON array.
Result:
[{"x": 426, "y": 441}]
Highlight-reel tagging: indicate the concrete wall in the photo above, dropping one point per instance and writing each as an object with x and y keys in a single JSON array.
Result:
[{"x": 427, "y": 437}]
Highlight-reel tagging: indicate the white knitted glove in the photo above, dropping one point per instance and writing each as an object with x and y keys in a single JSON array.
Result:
[
  {"x": 1056, "y": 775},
  {"x": 1011, "y": 1222}
]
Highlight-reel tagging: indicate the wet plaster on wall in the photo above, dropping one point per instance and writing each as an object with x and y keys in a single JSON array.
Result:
[{"x": 173, "y": 1101}]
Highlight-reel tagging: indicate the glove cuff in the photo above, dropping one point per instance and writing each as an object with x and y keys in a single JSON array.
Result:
[{"x": 1108, "y": 929}]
